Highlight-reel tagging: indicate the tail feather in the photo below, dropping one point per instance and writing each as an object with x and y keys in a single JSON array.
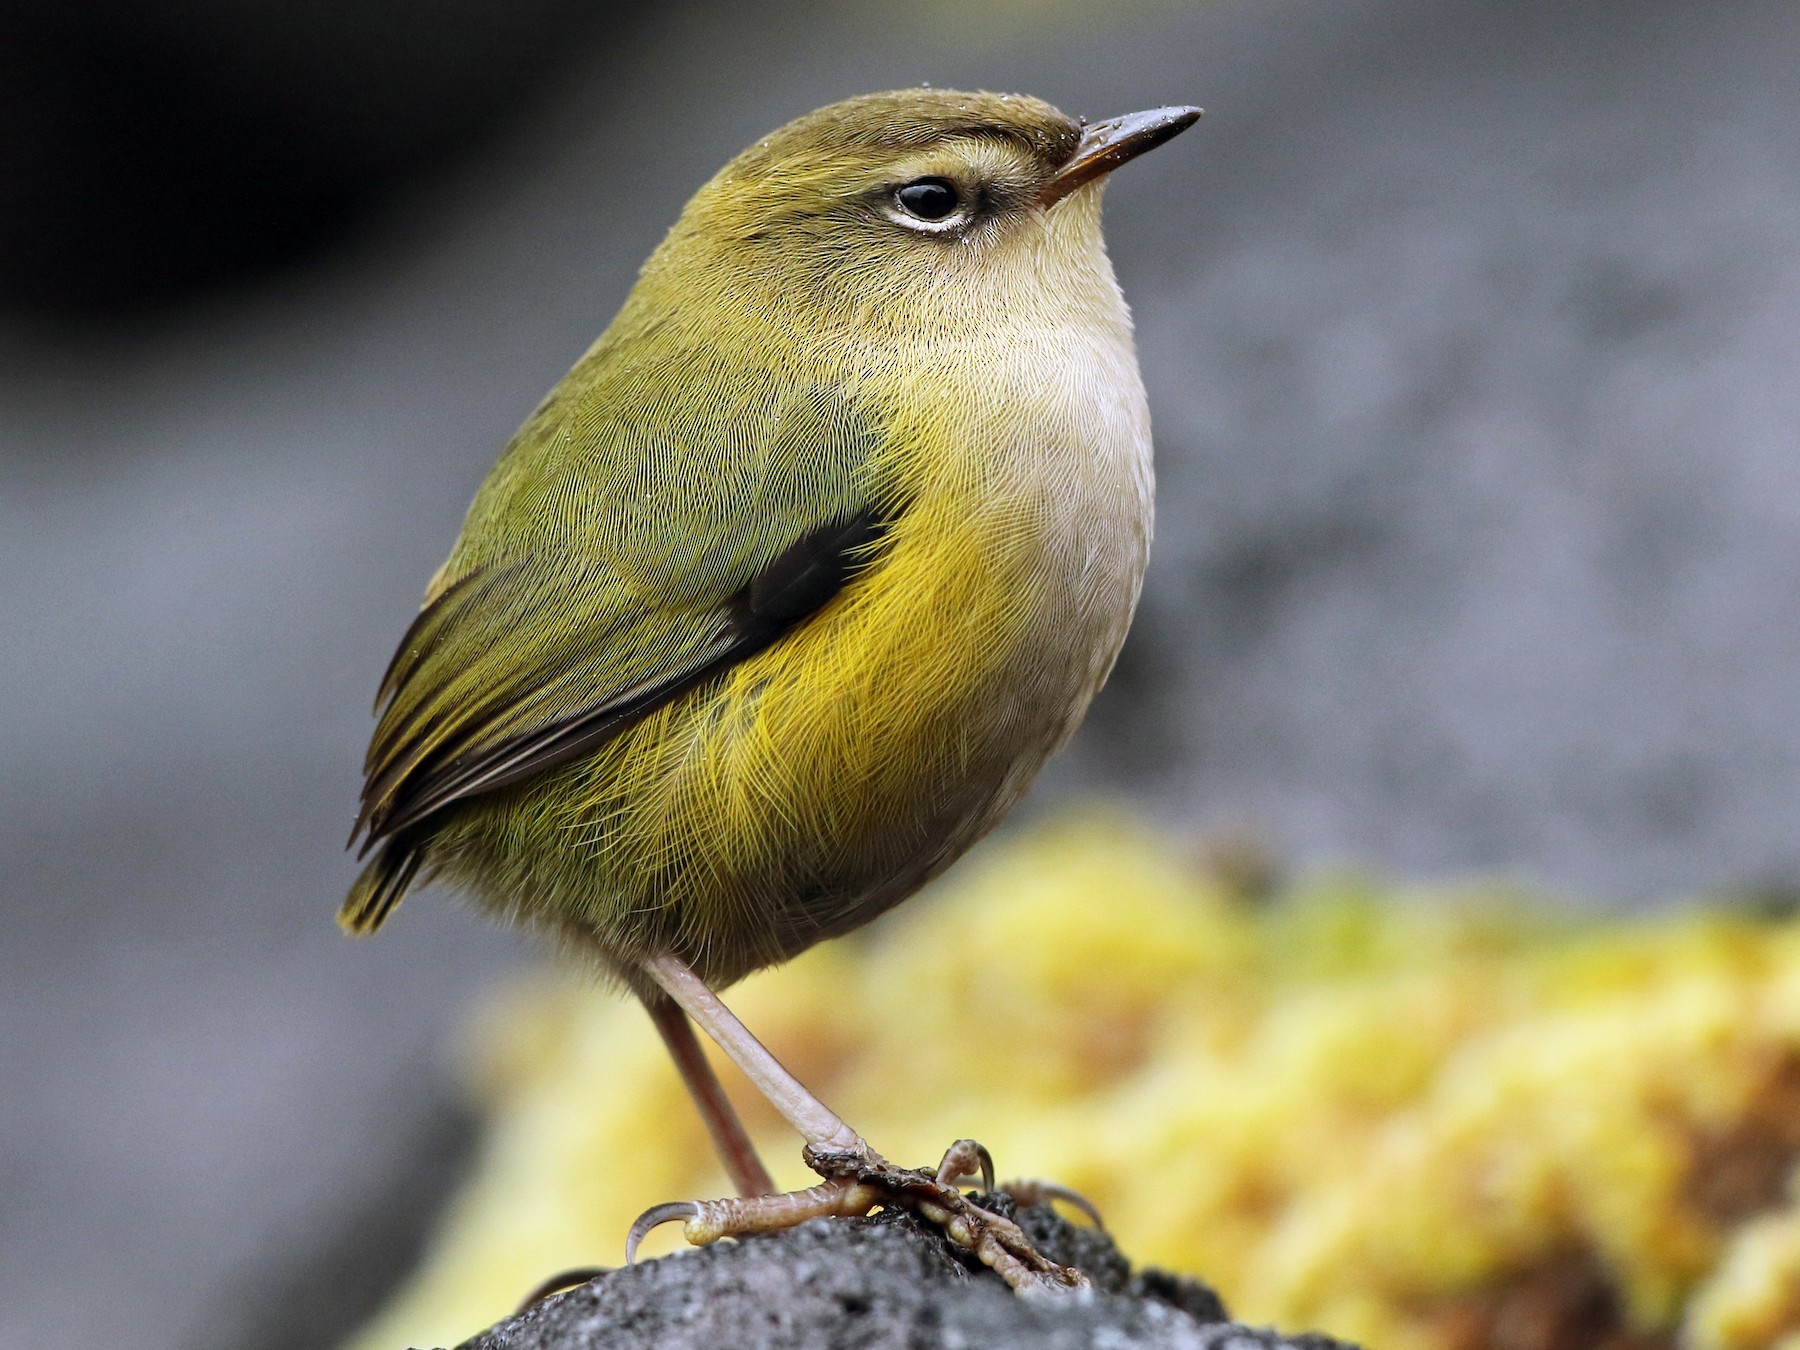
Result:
[{"x": 380, "y": 888}]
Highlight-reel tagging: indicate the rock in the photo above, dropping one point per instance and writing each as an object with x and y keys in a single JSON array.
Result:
[{"x": 884, "y": 1281}]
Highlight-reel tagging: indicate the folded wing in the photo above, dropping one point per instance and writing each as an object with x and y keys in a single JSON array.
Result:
[{"x": 620, "y": 556}]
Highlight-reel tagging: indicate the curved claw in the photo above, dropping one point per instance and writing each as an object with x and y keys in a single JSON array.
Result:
[
  {"x": 655, "y": 1217},
  {"x": 568, "y": 1279},
  {"x": 1037, "y": 1192},
  {"x": 957, "y": 1159},
  {"x": 987, "y": 1167}
]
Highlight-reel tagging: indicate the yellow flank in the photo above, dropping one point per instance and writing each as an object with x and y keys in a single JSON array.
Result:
[
  {"x": 851, "y": 700},
  {"x": 1424, "y": 1121}
]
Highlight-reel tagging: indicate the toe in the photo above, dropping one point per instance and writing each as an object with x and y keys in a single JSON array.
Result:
[
  {"x": 966, "y": 1158},
  {"x": 1034, "y": 1192}
]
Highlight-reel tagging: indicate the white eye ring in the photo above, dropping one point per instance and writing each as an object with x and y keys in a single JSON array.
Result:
[
  {"x": 896, "y": 210},
  {"x": 950, "y": 224}
]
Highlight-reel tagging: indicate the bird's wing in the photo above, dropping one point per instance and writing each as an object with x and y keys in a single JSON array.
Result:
[{"x": 631, "y": 544}]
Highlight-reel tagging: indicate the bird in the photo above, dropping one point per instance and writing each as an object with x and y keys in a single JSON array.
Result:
[{"x": 783, "y": 595}]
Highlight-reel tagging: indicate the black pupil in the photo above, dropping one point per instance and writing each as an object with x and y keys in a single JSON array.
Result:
[{"x": 929, "y": 198}]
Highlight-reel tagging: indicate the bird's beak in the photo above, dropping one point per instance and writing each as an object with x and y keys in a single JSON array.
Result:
[{"x": 1106, "y": 145}]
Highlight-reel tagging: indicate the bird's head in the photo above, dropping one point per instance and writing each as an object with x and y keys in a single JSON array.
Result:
[{"x": 887, "y": 207}]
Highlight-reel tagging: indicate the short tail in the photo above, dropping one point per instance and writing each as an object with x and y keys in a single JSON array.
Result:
[{"x": 380, "y": 888}]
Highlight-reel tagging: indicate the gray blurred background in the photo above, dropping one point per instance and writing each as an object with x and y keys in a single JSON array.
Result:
[{"x": 1471, "y": 330}]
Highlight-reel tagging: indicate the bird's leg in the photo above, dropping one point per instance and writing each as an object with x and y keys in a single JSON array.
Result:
[
  {"x": 816, "y": 1122},
  {"x": 745, "y": 1169},
  {"x": 857, "y": 1179}
]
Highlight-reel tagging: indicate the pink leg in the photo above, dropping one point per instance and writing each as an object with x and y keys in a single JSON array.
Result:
[
  {"x": 745, "y": 1169},
  {"x": 816, "y": 1122}
]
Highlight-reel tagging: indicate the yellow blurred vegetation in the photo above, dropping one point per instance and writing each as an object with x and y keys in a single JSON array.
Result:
[{"x": 1419, "y": 1120}]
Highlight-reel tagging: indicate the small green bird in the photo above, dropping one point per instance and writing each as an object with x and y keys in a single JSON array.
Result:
[{"x": 785, "y": 593}]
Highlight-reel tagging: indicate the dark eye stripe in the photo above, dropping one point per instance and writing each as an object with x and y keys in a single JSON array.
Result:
[{"x": 930, "y": 199}]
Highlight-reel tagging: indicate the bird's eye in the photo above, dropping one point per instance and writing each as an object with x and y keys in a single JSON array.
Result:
[{"x": 929, "y": 199}]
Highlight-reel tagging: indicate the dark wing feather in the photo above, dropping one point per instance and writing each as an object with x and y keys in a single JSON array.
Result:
[{"x": 797, "y": 583}]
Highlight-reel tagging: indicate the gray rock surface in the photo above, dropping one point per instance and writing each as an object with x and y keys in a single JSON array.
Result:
[{"x": 883, "y": 1283}]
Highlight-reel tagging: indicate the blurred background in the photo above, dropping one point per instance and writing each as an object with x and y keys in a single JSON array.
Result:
[{"x": 1471, "y": 332}]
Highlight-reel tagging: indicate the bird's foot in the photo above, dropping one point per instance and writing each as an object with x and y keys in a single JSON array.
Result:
[{"x": 859, "y": 1180}]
